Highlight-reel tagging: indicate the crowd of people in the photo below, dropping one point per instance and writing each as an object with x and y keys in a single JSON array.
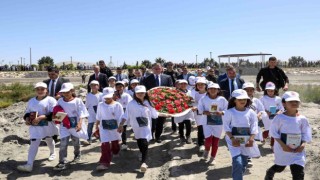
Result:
[{"x": 223, "y": 104}]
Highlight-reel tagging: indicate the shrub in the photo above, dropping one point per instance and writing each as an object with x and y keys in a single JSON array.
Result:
[
  {"x": 308, "y": 93},
  {"x": 15, "y": 92}
]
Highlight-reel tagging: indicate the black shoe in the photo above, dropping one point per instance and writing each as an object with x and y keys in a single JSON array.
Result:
[{"x": 60, "y": 167}]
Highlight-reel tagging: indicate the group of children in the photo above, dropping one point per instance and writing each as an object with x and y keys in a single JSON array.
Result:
[{"x": 110, "y": 112}]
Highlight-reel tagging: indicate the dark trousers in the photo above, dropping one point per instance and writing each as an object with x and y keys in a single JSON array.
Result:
[
  {"x": 200, "y": 136},
  {"x": 297, "y": 171},
  {"x": 173, "y": 125},
  {"x": 143, "y": 147},
  {"x": 124, "y": 135},
  {"x": 157, "y": 126},
  {"x": 90, "y": 127},
  {"x": 186, "y": 123},
  {"x": 107, "y": 149}
]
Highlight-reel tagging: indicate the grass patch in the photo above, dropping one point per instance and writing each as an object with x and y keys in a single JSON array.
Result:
[
  {"x": 15, "y": 92},
  {"x": 308, "y": 93}
]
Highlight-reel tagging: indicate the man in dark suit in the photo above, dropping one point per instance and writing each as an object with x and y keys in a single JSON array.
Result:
[
  {"x": 185, "y": 74},
  {"x": 155, "y": 80},
  {"x": 55, "y": 82},
  {"x": 100, "y": 77},
  {"x": 104, "y": 69},
  {"x": 231, "y": 83},
  {"x": 120, "y": 76}
]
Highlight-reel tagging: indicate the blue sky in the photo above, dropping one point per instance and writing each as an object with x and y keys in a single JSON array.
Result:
[{"x": 131, "y": 30}]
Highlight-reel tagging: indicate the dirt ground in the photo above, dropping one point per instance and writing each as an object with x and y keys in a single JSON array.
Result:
[{"x": 167, "y": 160}]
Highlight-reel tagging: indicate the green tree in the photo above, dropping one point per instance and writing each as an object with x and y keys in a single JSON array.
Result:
[
  {"x": 160, "y": 60},
  {"x": 146, "y": 63},
  {"x": 46, "y": 61},
  {"x": 296, "y": 61},
  {"x": 124, "y": 66},
  {"x": 137, "y": 64}
]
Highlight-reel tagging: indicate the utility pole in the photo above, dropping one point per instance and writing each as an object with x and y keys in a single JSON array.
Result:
[
  {"x": 196, "y": 60},
  {"x": 210, "y": 55},
  {"x": 30, "y": 58}
]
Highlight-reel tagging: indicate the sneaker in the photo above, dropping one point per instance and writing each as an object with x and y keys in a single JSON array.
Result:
[
  {"x": 124, "y": 147},
  {"x": 25, "y": 168},
  {"x": 201, "y": 148},
  {"x": 60, "y": 167},
  {"x": 205, "y": 154},
  {"x": 52, "y": 157},
  {"x": 86, "y": 143},
  {"x": 212, "y": 161},
  {"x": 143, "y": 167},
  {"x": 76, "y": 159},
  {"x": 249, "y": 163},
  {"x": 101, "y": 167},
  {"x": 189, "y": 140}
]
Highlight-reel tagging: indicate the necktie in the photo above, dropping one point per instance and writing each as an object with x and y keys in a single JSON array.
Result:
[
  {"x": 232, "y": 85},
  {"x": 157, "y": 80},
  {"x": 52, "y": 88},
  {"x": 97, "y": 77}
]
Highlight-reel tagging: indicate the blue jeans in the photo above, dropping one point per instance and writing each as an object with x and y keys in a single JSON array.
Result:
[
  {"x": 239, "y": 164},
  {"x": 90, "y": 127}
]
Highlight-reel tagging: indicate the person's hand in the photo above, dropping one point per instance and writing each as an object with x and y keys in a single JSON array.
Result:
[
  {"x": 120, "y": 129},
  {"x": 206, "y": 113},
  {"x": 286, "y": 148},
  {"x": 285, "y": 88},
  {"x": 194, "y": 108},
  {"x": 300, "y": 148},
  {"x": 79, "y": 126},
  {"x": 57, "y": 96},
  {"x": 28, "y": 123},
  {"x": 218, "y": 113},
  {"x": 249, "y": 143},
  {"x": 235, "y": 142},
  {"x": 258, "y": 89},
  {"x": 36, "y": 121}
]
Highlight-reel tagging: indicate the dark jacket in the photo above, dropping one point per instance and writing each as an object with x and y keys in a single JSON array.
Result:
[
  {"x": 173, "y": 74},
  {"x": 60, "y": 81},
  {"x": 224, "y": 86},
  {"x": 276, "y": 75},
  {"x": 107, "y": 71},
  {"x": 181, "y": 76},
  {"x": 103, "y": 81},
  {"x": 211, "y": 78},
  {"x": 150, "y": 81}
]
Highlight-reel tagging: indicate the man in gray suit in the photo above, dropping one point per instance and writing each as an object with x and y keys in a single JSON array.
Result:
[
  {"x": 155, "y": 80},
  {"x": 120, "y": 76}
]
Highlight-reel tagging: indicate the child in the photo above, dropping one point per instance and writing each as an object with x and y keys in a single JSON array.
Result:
[
  {"x": 133, "y": 84},
  {"x": 126, "y": 84},
  {"x": 76, "y": 112},
  {"x": 112, "y": 82},
  {"x": 109, "y": 115},
  {"x": 138, "y": 114},
  {"x": 241, "y": 125},
  {"x": 186, "y": 119},
  {"x": 173, "y": 124},
  {"x": 200, "y": 91},
  {"x": 192, "y": 82},
  {"x": 39, "y": 117},
  {"x": 92, "y": 100},
  {"x": 271, "y": 102},
  {"x": 212, "y": 106},
  {"x": 123, "y": 98},
  {"x": 294, "y": 127},
  {"x": 258, "y": 108}
]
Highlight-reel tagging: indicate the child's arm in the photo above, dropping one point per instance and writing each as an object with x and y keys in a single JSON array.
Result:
[
  {"x": 283, "y": 145},
  {"x": 235, "y": 142},
  {"x": 301, "y": 147},
  {"x": 97, "y": 124},
  {"x": 79, "y": 125}
]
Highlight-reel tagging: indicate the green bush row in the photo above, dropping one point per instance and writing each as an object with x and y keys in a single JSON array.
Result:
[
  {"x": 15, "y": 92},
  {"x": 308, "y": 93}
]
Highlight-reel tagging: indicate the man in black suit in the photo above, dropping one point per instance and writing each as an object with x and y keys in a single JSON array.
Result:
[
  {"x": 100, "y": 77},
  {"x": 154, "y": 80},
  {"x": 185, "y": 74},
  {"x": 104, "y": 69},
  {"x": 55, "y": 82},
  {"x": 231, "y": 83}
]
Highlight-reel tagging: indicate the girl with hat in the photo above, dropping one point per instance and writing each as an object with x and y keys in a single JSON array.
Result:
[
  {"x": 109, "y": 113},
  {"x": 212, "y": 106},
  {"x": 39, "y": 119},
  {"x": 241, "y": 125},
  {"x": 138, "y": 115},
  {"x": 291, "y": 132}
]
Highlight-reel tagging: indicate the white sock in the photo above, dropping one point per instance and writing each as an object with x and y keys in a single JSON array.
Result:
[
  {"x": 34, "y": 145},
  {"x": 51, "y": 144}
]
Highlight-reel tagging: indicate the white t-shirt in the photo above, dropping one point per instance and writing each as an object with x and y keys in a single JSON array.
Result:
[
  {"x": 267, "y": 102},
  {"x": 130, "y": 92},
  {"x": 290, "y": 125},
  {"x": 124, "y": 99},
  {"x": 234, "y": 118},
  {"x": 74, "y": 109},
  {"x": 188, "y": 116},
  {"x": 132, "y": 115},
  {"x": 92, "y": 101},
  {"x": 43, "y": 107},
  {"x": 204, "y": 105},
  {"x": 197, "y": 96},
  {"x": 107, "y": 112}
]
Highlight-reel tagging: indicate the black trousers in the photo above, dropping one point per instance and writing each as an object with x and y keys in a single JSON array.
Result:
[
  {"x": 157, "y": 126},
  {"x": 124, "y": 135},
  {"x": 186, "y": 123},
  {"x": 143, "y": 147},
  {"x": 297, "y": 171},
  {"x": 200, "y": 136},
  {"x": 173, "y": 125}
]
